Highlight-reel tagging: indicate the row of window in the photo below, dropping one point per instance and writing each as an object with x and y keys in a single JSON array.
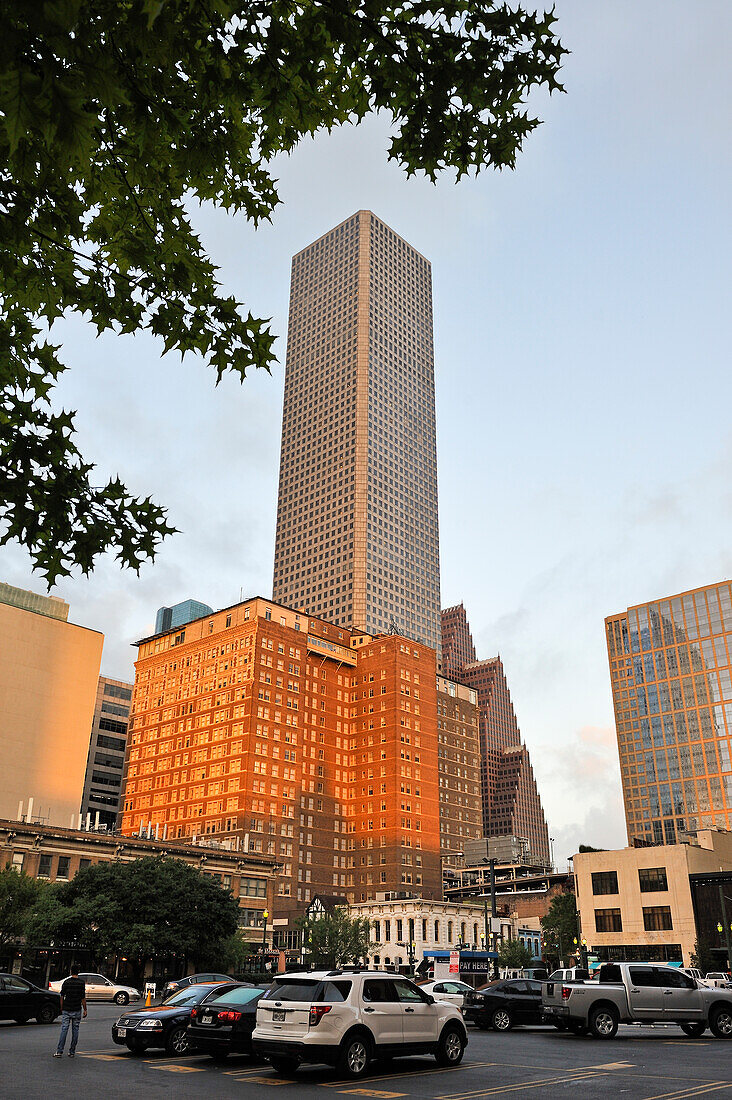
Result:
[
  {"x": 650, "y": 880},
  {"x": 656, "y": 918}
]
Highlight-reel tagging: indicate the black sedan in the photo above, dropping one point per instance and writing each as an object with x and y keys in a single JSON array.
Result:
[
  {"x": 224, "y": 1021},
  {"x": 22, "y": 1001},
  {"x": 502, "y": 1004},
  {"x": 164, "y": 1026}
]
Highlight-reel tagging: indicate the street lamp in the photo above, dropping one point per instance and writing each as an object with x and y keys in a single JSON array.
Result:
[{"x": 265, "y": 914}]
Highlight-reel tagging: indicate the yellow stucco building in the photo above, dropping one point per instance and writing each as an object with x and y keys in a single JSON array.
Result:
[{"x": 49, "y": 670}]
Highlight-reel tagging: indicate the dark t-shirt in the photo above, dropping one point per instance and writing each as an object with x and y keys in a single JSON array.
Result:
[{"x": 73, "y": 992}]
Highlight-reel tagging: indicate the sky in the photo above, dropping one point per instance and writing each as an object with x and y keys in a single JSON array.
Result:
[{"x": 581, "y": 308}]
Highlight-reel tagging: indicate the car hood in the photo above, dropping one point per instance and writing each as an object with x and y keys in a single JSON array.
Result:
[{"x": 161, "y": 1010}]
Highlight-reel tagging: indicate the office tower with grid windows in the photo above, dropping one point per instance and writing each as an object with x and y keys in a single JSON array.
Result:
[
  {"x": 357, "y": 528},
  {"x": 671, "y": 675}
]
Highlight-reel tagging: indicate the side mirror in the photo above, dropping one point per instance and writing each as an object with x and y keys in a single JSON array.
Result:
[{"x": 430, "y": 998}]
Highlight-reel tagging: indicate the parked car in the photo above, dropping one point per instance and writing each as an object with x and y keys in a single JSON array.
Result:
[
  {"x": 193, "y": 979},
  {"x": 537, "y": 973},
  {"x": 717, "y": 979},
  {"x": 22, "y": 1001},
  {"x": 347, "y": 1018},
  {"x": 448, "y": 990},
  {"x": 693, "y": 973},
  {"x": 223, "y": 1022},
  {"x": 164, "y": 1026},
  {"x": 502, "y": 1004},
  {"x": 639, "y": 993},
  {"x": 99, "y": 988},
  {"x": 570, "y": 974}
]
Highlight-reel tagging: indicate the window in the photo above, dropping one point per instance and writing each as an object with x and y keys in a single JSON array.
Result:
[
  {"x": 18, "y": 861},
  {"x": 605, "y": 882},
  {"x": 657, "y": 918},
  {"x": 608, "y": 920},
  {"x": 652, "y": 879},
  {"x": 674, "y": 979},
  {"x": 643, "y": 976},
  {"x": 64, "y": 862},
  {"x": 253, "y": 887},
  {"x": 44, "y": 867}
]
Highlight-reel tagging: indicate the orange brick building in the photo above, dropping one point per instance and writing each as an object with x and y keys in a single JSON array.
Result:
[{"x": 296, "y": 738}]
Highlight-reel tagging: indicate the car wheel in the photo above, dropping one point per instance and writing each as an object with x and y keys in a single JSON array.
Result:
[
  {"x": 693, "y": 1030},
  {"x": 178, "y": 1041},
  {"x": 450, "y": 1047},
  {"x": 721, "y": 1023},
  {"x": 501, "y": 1020},
  {"x": 604, "y": 1022},
  {"x": 46, "y": 1014},
  {"x": 286, "y": 1067},
  {"x": 353, "y": 1060},
  {"x": 121, "y": 998}
]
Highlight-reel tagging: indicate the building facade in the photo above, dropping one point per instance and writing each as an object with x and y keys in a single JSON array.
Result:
[
  {"x": 301, "y": 740},
  {"x": 100, "y": 801},
  {"x": 459, "y": 769},
  {"x": 357, "y": 526},
  {"x": 636, "y": 903},
  {"x": 510, "y": 797},
  {"x": 671, "y": 674},
  {"x": 168, "y": 618},
  {"x": 48, "y": 682}
]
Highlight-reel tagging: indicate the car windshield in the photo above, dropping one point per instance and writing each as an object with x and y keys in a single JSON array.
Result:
[
  {"x": 190, "y": 996},
  {"x": 242, "y": 995}
]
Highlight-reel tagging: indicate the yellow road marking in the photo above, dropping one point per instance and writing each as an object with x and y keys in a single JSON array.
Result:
[
  {"x": 685, "y": 1043},
  {"x": 102, "y": 1057},
  {"x": 691, "y": 1090},
  {"x": 372, "y": 1092},
  {"x": 519, "y": 1085},
  {"x": 181, "y": 1069},
  {"x": 415, "y": 1073},
  {"x": 267, "y": 1081}
]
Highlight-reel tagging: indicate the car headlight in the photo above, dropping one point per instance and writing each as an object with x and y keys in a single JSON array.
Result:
[{"x": 154, "y": 1024}]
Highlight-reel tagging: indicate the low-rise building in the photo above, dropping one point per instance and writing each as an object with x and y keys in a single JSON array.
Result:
[{"x": 636, "y": 903}]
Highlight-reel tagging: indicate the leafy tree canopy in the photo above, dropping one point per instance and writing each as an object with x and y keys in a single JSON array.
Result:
[
  {"x": 18, "y": 895},
  {"x": 153, "y": 906},
  {"x": 703, "y": 957},
  {"x": 115, "y": 114},
  {"x": 512, "y": 954},
  {"x": 336, "y": 938},
  {"x": 559, "y": 926}
]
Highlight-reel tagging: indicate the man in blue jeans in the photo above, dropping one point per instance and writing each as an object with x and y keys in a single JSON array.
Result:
[{"x": 73, "y": 1000}]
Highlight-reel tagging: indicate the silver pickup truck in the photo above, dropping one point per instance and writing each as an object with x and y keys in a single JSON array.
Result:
[{"x": 637, "y": 993}]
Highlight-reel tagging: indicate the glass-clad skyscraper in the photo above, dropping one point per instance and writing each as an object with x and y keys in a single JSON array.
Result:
[
  {"x": 671, "y": 673},
  {"x": 357, "y": 528}
]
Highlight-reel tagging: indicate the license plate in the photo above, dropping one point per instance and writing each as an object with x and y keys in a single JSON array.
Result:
[
  {"x": 278, "y": 1016},
  {"x": 121, "y": 1031},
  {"x": 207, "y": 1019}
]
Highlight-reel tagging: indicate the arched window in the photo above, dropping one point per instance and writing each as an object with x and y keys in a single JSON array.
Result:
[
  {"x": 475, "y": 933},
  {"x": 462, "y": 931},
  {"x": 449, "y": 931},
  {"x": 437, "y": 931}
]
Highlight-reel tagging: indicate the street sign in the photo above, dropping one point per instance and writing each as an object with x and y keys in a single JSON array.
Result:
[{"x": 454, "y": 962}]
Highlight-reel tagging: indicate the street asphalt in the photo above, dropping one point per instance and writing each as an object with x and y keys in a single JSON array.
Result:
[{"x": 647, "y": 1063}]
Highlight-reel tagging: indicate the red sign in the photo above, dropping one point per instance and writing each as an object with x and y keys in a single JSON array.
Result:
[{"x": 454, "y": 962}]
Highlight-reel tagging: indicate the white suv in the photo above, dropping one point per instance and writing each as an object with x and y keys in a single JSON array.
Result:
[{"x": 348, "y": 1017}]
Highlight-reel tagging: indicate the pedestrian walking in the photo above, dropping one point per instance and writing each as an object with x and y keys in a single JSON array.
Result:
[{"x": 73, "y": 1002}]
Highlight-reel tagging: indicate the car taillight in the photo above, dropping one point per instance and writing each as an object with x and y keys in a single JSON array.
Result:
[
  {"x": 317, "y": 1012},
  {"x": 566, "y": 991},
  {"x": 194, "y": 1012},
  {"x": 229, "y": 1015}
]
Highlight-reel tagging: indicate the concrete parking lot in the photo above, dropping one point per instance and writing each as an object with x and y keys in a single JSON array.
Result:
[{"x": 647, "y": 1063}]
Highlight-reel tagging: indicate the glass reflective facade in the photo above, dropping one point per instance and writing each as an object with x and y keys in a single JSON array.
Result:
[
  {"x": 671, "y": 674},
  {"x": 357, "y": 527}
]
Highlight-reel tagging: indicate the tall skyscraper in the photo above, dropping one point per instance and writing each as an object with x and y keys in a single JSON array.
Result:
[
  {"x": 671, "y": 674},
  {"x": 103, "y": 781},
  {"x": 357, "y": 528},
  {"x": 511, "y": 802}
]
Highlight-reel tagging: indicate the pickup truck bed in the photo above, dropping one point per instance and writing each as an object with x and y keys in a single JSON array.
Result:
[{"x": 637, "y": 993}]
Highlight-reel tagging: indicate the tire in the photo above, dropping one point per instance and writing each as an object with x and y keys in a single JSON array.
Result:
[
  {"x": 501, "y": 1020},
  {"x": 693, "y": 1030},
  {"x": 354, "y": 1056},
  {"x": 122, "y": 998},
  {"x": 285, "y": 1067},
  {"x": 604, "y": 1022},
  {"x": 450, "y": 1046},
  {"x": 178, "y": 1042},
  {"x": 46, "y": 1014},
  {"x": 720, "y": 1023}
]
